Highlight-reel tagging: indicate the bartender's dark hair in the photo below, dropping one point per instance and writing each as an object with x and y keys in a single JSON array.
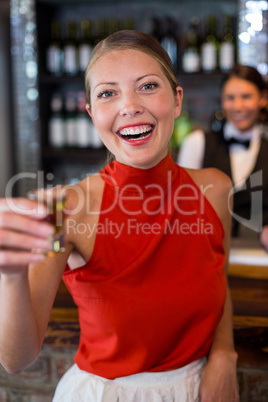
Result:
[
  {"x": 134, "y": 40},
  {"x": 252, "y": 75},
  {"x": 247, "y": 73}
]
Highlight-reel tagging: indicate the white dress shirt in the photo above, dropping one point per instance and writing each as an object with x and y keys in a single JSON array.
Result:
[{"x": 242, "y": 160}]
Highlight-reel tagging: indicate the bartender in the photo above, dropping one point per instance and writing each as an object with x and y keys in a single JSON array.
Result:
[{"x": 239, "y": 148}]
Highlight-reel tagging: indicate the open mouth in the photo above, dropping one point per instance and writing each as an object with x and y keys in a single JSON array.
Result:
[{"x": 136, "y": 133}]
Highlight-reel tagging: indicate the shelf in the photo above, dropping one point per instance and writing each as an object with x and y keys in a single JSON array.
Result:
[
  {"x": 45, "y": 79},
  {"x": 89, "y": 155}
]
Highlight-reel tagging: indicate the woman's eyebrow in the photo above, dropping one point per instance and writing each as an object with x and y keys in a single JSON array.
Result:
[
  {"x": 145, "y": 76},
  {"x": 106, "y": 83}
]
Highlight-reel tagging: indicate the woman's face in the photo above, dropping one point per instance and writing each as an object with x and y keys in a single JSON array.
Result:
[
  {"x": 133, "y": 107},
  {"x": 241, "y": 102}
]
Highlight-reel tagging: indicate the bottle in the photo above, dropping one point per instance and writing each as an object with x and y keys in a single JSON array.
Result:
[
  {"x": 99, "y": 29},
  {"x": 70, "y": 50},
  {"x": 70, "y": 120},
  {"x": 182, "y": 126},
  {"x": 156, "y": 29},
  {"x": 227, "y": 46},
  {"x": 209, "y": 47},
  {"x": 112, "y": 26},
  {"x": 54, "y": 53},
  {"x": 83, "y": 126},
  {"x": 169, "y": 41},
  {"x": 95, "y": 139},
  {"x": 191, "y": 54},
  {"x": 56, "y": 125},
  {"x": 85, "y": 48},
  {"x": 127, "y": 23}
]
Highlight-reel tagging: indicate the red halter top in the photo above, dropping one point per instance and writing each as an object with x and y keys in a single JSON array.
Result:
[{"x": 153, "y": 292}]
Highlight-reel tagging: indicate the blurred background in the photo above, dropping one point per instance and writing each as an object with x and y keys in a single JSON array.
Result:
[{"x": 45, "y": 46}]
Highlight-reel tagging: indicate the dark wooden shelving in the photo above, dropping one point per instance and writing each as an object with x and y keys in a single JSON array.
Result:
[{"x": 88, "y": 155}]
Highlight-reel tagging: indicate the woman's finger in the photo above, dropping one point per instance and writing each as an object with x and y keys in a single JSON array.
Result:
[
  {"x": 19, "y": 259},
  {"x": 21, "y": 223},
  {"x": 16, "y": 240},
  {"x": 23, "y": 206}
]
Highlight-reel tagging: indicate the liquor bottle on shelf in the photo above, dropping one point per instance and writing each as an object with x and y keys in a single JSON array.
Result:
[
  {"x": 85, "y": 47},
  {"x": 99, "y": 30},
  {"x": 112, "y": 26},
  {"x": 56, "y": 125},
  {"x": 209, "y": 47},
  {"x": 83, "y": 124},
  {"x": 70, "y": 119},
  {"x": 95, "y": 139},
  {"x": 70, "y": 59},
  {"x": 227, "y": 46},
  {"x": 157, "y": 29},
  {"x": 54, "y": 53},
  {"x": 127, "y": 23},
  {"x": 182, "y": 126},
  {"x": 169, "y": 41},
  {"x": 191, "y": 53}
]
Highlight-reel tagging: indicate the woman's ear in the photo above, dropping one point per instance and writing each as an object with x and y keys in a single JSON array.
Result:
[
  {"x": 88, "y": 110},
  {"x": 178, "y": 101}
]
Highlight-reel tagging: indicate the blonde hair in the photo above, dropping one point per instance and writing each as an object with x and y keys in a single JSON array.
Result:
[{"x": 130, "y": 39}]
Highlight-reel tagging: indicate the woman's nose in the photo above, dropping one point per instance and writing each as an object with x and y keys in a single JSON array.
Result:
[{"x": 130, "y": 105}]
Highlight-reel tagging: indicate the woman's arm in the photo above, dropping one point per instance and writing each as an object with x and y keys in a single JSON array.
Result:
[
  {"x": 219, "y": 377},
  {"x": 27, "y": 287},
  {"x": 264, "y": 237}
]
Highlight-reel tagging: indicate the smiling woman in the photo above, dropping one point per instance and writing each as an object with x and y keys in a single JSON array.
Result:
[
  {"x": 137, "y": 105},
  {"x": 152, "y": 239}
]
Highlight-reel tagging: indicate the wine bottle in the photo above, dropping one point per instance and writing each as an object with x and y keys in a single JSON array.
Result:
[
  {"x": 182, "y": 126},
  {"x": 227, "y": 46},
  {"x": 85, "y": 47},
  {"x": 70, "y": 119},
  {"x": 54, "y": 53},
  {"x": 112, "y": 26},
  {"x": 70, "y": 50},
  {"x": 209, "y": 47},
  {"x": 100, "y": 30},
  {"x": 169, "y": 41},
  {"x": 96, "y": 141},
  {"x": 83, "y": 128},
  {"x": 56, "y": 125},
  {"x": 191, "y": 54}
]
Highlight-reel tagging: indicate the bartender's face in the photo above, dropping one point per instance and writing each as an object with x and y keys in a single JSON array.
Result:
[{"x": 241, "y": 102}]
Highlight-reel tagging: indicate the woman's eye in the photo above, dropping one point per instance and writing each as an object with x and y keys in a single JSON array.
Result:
[
  {"x": 150, "y": 85},
  {"x": 105, "y": 94}
]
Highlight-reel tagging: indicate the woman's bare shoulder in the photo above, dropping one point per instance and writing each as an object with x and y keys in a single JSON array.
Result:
[
  {"x": 217, "y": 188},
  {"x": 86, "y": 194},
  {"x": 212, "y": 177}
]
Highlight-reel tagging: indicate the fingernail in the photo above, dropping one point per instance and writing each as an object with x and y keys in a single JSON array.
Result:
[{"x": 47, "y": 230}]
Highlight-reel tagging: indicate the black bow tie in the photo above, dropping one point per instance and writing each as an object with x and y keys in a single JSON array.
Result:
[{"x": 232, "y": 140}]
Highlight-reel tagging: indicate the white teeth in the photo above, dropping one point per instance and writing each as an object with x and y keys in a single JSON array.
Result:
[{"x": 135, "y": 130}]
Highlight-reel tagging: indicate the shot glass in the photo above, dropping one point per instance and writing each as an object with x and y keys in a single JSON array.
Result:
[{"x": 55, "y": 200}]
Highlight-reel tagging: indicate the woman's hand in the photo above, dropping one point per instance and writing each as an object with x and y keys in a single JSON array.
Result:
[
  {"x": 219, "y": 379},
  {"x": 264, "y": 237},
  {"x": 22, "y": 230}
]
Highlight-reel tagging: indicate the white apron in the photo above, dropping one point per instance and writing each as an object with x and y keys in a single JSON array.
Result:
[{"x": 180, "y": 385}]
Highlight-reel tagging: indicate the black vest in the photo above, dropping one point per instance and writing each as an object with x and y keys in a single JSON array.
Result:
[{"x": 245, "y": 205}]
